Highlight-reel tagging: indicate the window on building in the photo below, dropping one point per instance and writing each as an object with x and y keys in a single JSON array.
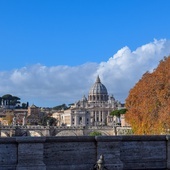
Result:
[{"x": 80, "y": 120}]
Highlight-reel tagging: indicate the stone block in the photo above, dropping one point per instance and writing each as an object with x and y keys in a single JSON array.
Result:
[
  {"x": 143, "y": 154},
  {"x": 144, "y": 165},
  {"x": 109, "y": 147},
  {"x": 70, "y": 167},
  {"x": 168, "y": 151},
  {"x": 8, "y": 153},
  {"x": 69, "y": 152},
  {"x": 30, "y": 153},
  {"x": 133, "y": 152},
  {"x": 142, "y": 150}
]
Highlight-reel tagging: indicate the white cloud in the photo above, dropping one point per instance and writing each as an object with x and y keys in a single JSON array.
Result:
[
  {"x": 50, "y": 86},
  {"x": 126, "y": 67}
]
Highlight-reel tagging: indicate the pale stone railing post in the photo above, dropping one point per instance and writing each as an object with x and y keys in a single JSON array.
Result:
[
  {"x": 30, "y": 153},
  {"x": 168, "y": 151}
]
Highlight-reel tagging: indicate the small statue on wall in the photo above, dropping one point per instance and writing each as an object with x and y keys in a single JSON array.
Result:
[
  {"x": 14, "y": 121},
  {"x": 100, "y": 164},
  {"x": 48, "y": 123},
  {"x": 23, "y": 121}
]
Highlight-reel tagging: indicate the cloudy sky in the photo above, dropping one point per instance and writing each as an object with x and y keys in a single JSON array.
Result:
[{"x": 52, "y": 51}]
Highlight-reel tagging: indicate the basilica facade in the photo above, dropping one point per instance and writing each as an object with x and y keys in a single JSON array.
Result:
[{"x": 93, "y": 110}]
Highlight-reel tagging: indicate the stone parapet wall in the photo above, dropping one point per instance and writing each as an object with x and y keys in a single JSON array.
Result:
[
  {"x": 168, "y": 152},
  {"x": 70, "y": 153},
  {"x": 82, "y": 152},
  {"x": 133, "y": 152},
  {"x": 8, "y": 153}
]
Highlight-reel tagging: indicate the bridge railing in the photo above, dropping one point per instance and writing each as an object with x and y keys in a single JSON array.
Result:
[{"x": 75, "y": 153}]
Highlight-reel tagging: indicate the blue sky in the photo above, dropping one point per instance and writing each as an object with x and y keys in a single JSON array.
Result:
[{"x": 57, "y": 45}]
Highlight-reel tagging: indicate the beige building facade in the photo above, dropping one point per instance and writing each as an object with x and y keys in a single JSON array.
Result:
[{"x": 91, "y": 111}]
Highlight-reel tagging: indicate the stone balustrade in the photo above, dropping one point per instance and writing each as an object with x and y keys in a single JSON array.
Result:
[{"x": 82, "y": 152}]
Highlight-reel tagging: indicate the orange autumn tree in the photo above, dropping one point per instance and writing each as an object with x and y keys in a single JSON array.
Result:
[{"x": 148, "y": 102}]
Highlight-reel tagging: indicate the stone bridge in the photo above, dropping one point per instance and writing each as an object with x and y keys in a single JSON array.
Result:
[{"x": 9, "y": 131}]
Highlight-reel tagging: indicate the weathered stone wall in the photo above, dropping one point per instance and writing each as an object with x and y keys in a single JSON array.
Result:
[
  {"x": 82, "y": 152},
  {"x": 8, "y": 153},
  {"x": 168, "y": 151},
  {"x": 66, "y": 153},
  {"x": 133, "y": 152}
]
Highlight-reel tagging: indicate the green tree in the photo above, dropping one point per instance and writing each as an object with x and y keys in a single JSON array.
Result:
[
  {"x": 95, "y": 133},
  {"x": 60, "y": 107},
  {"x": 7, "y": 99},
  {"x": 15, "y": 101},
  {"x": 48, "y": 120},
  {"x": 24, "y": 105},
  {"x": 10, "y": 100},
  {"x": 118, "y": 112}
]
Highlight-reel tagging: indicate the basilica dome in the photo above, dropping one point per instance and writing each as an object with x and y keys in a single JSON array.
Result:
[
  {"x": 98, "y": 91},
  {"x": 98, "y": 88}
]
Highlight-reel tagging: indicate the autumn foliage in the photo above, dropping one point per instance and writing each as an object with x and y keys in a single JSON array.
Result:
[{"x": 148, "y": 103}]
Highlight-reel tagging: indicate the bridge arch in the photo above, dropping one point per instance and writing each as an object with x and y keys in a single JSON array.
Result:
[
  {"x": 66, "y": 133},
  {"x": 34, "y": 133},
  {"x": 5, "y": 134},
  {"x": 100, "y": 131}
]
